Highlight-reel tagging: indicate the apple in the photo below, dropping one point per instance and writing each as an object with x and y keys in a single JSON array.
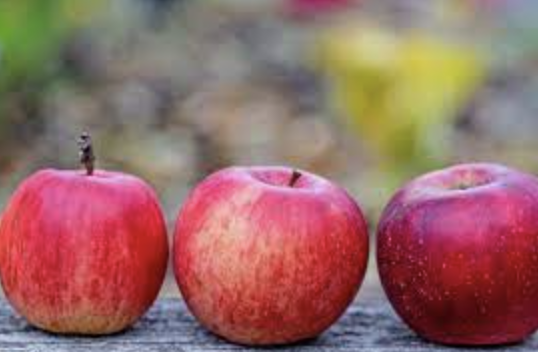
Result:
[
  {"x": 269, "y": 255},
  {"x": 82, "y": 252},
  {"x": 457, "y": 252}
]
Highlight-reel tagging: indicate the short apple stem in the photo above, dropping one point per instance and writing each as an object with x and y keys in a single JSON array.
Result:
[
  {"x": 294, "y": 178},
  {"x": 86, "y": 156}
]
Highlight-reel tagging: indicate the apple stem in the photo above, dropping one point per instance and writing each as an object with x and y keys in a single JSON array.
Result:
[
  {"x": 294, "y": 178},
  {"x": 86, "y": 156}
]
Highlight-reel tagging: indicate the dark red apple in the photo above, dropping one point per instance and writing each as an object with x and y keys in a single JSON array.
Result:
[
  {"x": 82, "y": 252},
  {"x": 457, "y": 252},
  {"x": 268, "y": 255}
]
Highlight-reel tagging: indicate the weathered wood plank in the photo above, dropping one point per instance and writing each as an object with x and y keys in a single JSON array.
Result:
[{"x": 367, "y": 326}]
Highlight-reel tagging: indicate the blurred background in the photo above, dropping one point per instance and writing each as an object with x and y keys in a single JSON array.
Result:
[{"x": 368, "y": 93}]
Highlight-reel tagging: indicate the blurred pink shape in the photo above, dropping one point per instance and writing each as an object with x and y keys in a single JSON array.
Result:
[
  {"x": 491, "y": 4},
  {"x": 305, "y": 8}
]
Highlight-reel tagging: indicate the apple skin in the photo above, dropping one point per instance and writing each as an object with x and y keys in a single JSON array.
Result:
[
  {"x": 82, "y": 254},
  {"x": 457, "y": 252},
  {"x": 260, "y": 262}
]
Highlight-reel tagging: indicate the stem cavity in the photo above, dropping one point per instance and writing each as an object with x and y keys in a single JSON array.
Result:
[
  {"x": 294, "y": 178},
  {"x": 85, "y": 153}
]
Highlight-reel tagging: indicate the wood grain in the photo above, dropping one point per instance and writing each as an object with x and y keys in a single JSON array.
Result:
[{"x": 367, "y": 326}]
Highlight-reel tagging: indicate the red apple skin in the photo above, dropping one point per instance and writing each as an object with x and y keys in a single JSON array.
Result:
[
  {"x": 259, "y": 262},
  {"x": 82, "y": 254},
  {"x": 459, "y": 264}
]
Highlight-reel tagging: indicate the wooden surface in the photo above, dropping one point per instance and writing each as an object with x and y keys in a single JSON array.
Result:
[{"x": 367, "y": 326}]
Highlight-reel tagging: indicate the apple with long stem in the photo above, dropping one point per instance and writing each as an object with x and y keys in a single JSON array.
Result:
[
  {"x": 82, "y": 252},
  {"x": 457, "y": 252},
  {"x": 269, "y": 255}
]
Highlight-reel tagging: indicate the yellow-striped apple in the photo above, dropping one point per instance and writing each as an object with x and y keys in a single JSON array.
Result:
[{"x": 269, "y": 255}]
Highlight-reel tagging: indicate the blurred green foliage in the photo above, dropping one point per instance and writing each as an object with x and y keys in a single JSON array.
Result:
[
  {"x": 31, "y": 36},
  {"x": 30, "y": 32}
]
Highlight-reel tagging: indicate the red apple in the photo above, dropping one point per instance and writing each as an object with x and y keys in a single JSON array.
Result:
[
  {"x": 268, "y": 255},
  {"x": 457, "y": 252},
  {"x": 82, "y": 252}
]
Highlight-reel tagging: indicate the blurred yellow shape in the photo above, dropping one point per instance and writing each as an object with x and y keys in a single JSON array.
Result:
[{"x": 400, "y": 92}]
